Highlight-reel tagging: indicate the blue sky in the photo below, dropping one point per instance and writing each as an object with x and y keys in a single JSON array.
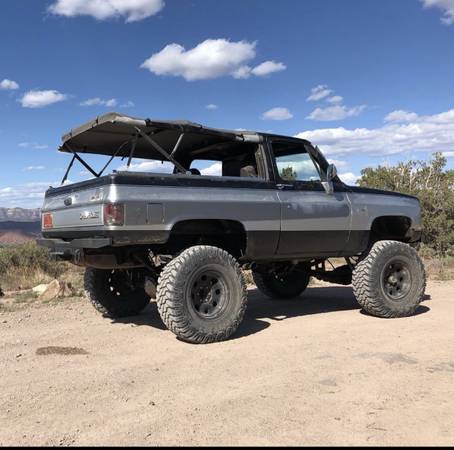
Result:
[{"x": 370, "y": 82}]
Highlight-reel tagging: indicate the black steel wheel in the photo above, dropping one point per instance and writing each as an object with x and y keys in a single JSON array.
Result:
[
  {"x": 202, "y": 295},
  {"x": 208, "y": 293},
  {"x": 282, "y": 282},
  {"x": 396, "y": 279},
  {"x": 390, "y": 280},
  {"x": 116, "y": 293}
]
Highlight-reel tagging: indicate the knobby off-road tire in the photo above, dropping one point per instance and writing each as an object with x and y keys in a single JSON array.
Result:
[
  {"x": 390, "y": 281},
  {"x": 281, "y": 287},
  {"x": 111, "y": 293},
  {"x": 202, "y": 295}
]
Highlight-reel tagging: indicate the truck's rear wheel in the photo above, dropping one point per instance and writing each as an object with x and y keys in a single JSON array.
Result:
[
  {"x": 115, "y": 293},
  {"x": 202, "y": 295},
  {"x": 287, "y": 283},
  {"x": 390, "y": 281}
]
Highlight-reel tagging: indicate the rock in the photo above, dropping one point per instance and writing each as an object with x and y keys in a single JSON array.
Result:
[
  {"x": 52, "y": 291},
  {"x": 65, "y": 289},
  {"x": 1, "y": 293},
  {"x": 40, "y": 288}
]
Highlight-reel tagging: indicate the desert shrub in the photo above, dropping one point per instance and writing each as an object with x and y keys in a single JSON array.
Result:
[
  {"x": 28, "y": 256},
  {"x": 23, "y": 266},
  {"x": 433, "y": 184}
]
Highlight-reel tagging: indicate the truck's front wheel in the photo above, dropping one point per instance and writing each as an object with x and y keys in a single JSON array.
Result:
[
  {"x": 390, "y": 281},
  {"x": 202, "y": 295},
  {"x": 115, "y": 293}
]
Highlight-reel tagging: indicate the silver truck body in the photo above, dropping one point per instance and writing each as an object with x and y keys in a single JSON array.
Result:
[{"x": 280, "y": 222}]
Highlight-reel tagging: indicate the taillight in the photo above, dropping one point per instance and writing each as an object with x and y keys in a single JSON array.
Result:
[
  {"x": 114, "y": 214},
  {"x": 48, "y": 221}
]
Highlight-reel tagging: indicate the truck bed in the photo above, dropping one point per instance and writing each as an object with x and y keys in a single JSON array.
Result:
[{"x": 153, "y": 203}]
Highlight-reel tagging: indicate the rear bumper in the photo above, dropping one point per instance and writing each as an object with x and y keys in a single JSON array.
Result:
[
  {"x": 59, "y": 245},
  {"x": 89, "y": 252},
  {"x": 74, "y": 250}
]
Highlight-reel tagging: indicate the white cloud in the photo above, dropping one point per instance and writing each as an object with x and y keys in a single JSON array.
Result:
[
  {"x": 335, "y": 99},
  {"x": 349, "y": 178},
  {"x": 8, "y": 85},
  {"x": 29, "y": 195},
  {"x": 447, "y": 6},
  {"x": 33, "y": 145},
  {"x": 30, "y": 168},
  {"x": 318, "y": 93},
  {"x": 401, "y": 116},
  {"x": 149, "y": 166},
  {"x": 128, "y": 104},
  {"x": 212, "y": 58},
  {"x": 278, "y": 113},
  {"x": 338, "y": 162},
  {"x": 132, "y": 10},
  {"x": 448, "y": 154},
  {"x": 267, "y": 68},
  {"x": 39, "y": 99},
  {"x": 213, "y": 170},
  {"x": 426, "y": 133},
  {"x": 242, "y": 73},
  {"x": 212, "y": 107},
  {"x": 335, "y": 112},
  {"x": 111, "y": 103}
]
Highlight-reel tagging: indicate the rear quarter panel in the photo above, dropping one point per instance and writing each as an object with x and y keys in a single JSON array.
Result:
[{"x": 152, "y": 211}]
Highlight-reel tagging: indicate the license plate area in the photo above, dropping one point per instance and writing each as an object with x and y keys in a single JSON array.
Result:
[{"x": 88, "y": 216}]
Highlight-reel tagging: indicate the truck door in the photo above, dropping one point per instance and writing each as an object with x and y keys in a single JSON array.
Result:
[{"x": 313, "y": 223}]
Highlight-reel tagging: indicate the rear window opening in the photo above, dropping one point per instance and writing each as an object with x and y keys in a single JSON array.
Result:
[
  {"x": 163, "y": 147},
  {"x": 231, "y": 159}
]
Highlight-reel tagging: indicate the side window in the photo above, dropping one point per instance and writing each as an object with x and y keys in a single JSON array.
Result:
[
  {"x": 294, "y": 163},
  {"x": 237, "y": 160},
  {"x": 206, "y": 167}
]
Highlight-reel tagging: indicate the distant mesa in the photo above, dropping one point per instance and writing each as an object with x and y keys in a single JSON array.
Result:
[
  {"x": 19, "y": 215},
  {"x": 19, "y": 225}
]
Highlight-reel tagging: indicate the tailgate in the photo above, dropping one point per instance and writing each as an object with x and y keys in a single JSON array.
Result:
[{"x": 77, "y": 209}]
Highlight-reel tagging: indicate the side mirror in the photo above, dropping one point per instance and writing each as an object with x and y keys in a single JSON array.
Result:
[{"x": 331, "y": 173}]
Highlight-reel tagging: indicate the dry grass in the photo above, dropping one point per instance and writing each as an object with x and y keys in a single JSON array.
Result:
[
  {"x": 440, "y": 269},
  {"x": 25, "y": 266},
  {"x": 18, "y": 279}
]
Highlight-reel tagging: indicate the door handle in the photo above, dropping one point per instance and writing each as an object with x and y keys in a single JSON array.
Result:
[{"x": 283, "y": 186}]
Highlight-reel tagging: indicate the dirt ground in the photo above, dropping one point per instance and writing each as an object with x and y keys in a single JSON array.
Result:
[{"x": 315, "y": 371}]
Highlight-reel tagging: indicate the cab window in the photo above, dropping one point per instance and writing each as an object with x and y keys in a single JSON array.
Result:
[{"x": 294, "y": 163}]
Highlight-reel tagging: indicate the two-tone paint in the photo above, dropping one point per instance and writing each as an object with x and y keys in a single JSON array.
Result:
[{"x": 292, "y": 222}]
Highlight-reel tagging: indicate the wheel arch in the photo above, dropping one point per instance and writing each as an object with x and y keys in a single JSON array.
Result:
[
  {"x": 230, "y": 235},
  {"x": 391, "y": 227}
]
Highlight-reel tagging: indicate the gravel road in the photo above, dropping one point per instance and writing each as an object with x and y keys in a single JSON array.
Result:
[{"x": 315, "y": 371}]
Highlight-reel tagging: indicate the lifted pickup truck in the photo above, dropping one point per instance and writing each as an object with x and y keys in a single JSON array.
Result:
[{"x": 235, "y": 200}]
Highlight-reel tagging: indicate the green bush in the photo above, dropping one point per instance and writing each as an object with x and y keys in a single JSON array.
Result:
[
  {"x": 433, "y": 184},
  {"x": 28, "y": 257}
]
